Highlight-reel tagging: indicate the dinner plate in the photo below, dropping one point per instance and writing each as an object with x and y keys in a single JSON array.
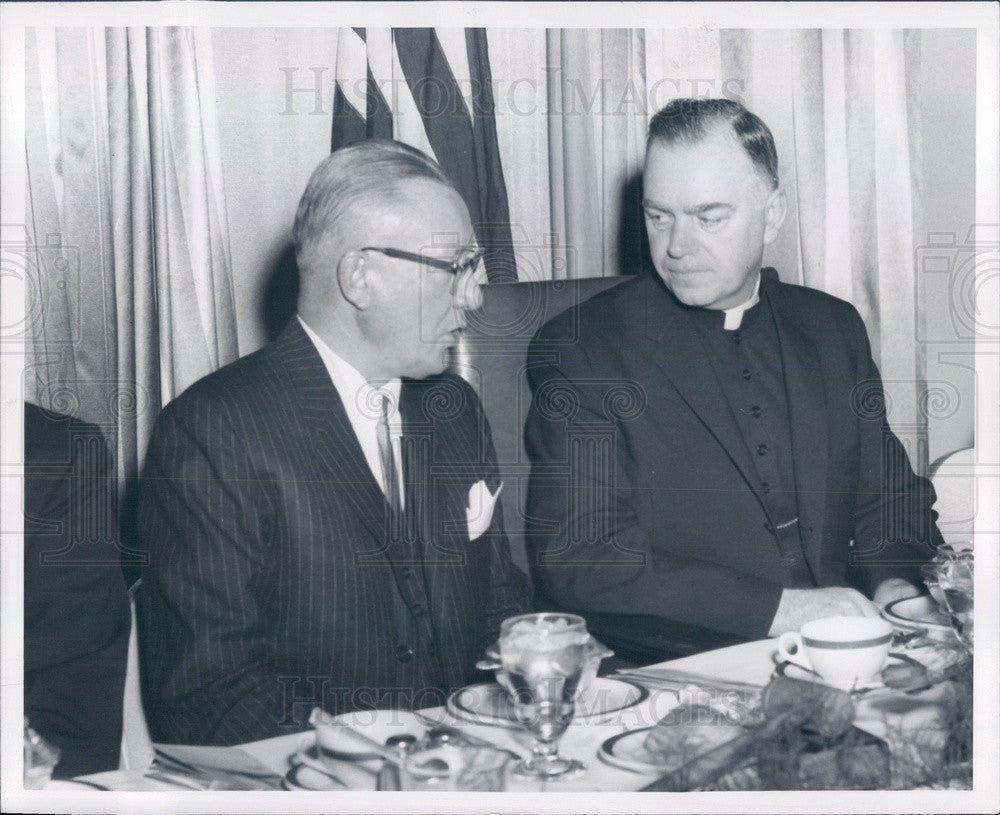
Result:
[
  {"x": 488, "y": 703},
  {"x": 626, "y": 752},
  {"x": 919, "y": 612}
]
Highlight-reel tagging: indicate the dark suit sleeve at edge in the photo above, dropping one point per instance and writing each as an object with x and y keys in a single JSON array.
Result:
[
  {"x": 895, "y": 528},
  {"x": 205, "y": 651},
  {"x": 586, "y": 548}
]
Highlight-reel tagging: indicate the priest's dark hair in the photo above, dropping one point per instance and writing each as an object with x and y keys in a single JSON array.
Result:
[{"x": 691, "y": 120}]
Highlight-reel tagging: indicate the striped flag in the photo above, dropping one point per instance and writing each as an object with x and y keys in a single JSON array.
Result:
[{"x": 432, "y": 89}]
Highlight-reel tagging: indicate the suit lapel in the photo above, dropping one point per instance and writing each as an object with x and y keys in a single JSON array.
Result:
[
  {"x": 336, "y": 444},
  {"x": 341, "y": 454},
  {"x": 806, "y": 399},
  {"x": 436, "y": 491},
  {"x": 679, "y": 355}
]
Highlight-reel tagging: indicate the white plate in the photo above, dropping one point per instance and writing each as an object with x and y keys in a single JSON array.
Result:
[
  {"x": 304, "y": 777},
  {"x": 626, "y": 752},
  {"x": 488, "y": 703},
  {"x": 918, "y": 612},
  {"x": 377, "y": 725}
]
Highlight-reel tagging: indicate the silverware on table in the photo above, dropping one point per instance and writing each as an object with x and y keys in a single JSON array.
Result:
[
  {"x": 671, "y": 679},
  {"x": 445, "y": 733},
  {"x": 212, "y": 777}
]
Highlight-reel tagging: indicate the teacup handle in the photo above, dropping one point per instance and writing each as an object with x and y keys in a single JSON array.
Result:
[{"x": 790, "y": 649}]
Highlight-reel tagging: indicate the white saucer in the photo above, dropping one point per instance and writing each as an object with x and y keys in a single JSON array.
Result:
[
  {"x": 919, "y": 612},
  {"x": 341, "y": 742},
  {"x": 488, "y": 703},
  {"x": 793, "y": 671},
  {"x": 304, "y": 777}
]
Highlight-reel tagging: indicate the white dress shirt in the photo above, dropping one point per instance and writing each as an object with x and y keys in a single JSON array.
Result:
[
  {"x": 363, "y": 403},
  {"x": 734, "y": 315}
]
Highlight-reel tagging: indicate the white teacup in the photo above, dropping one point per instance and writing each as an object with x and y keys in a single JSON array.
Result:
[{"x": 844, "y": 651}]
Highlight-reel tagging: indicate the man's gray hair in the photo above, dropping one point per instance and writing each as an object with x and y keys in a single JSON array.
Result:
[{"x": 355, "y": 175}]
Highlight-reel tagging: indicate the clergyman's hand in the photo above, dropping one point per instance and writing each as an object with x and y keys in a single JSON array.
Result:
[
  {"x": 799, "y": 606},
  {"x": 892, "y": 589}
]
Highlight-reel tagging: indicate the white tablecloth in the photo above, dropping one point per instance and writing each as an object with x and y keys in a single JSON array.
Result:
[
  {"x": 749, "y": 662},
  {"x": 886, "y": 714}
]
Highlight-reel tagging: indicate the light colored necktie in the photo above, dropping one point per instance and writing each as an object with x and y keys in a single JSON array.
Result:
[{"x": 390, "y": 475}]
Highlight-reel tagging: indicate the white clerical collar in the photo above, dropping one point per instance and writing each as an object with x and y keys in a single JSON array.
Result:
[
  {"x": 356, "y": 392},
  {"x": 734, "y": 315}
]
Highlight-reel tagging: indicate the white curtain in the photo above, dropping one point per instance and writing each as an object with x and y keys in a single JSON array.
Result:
[
  {"x": 125, "y": 185},
  {"x": 126, "y": 204},
  {"x": 841, "y": 104}
]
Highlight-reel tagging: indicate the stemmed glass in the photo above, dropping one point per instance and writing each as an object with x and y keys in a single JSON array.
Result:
[
  {"x": 955, "y": 578},
  {"x": 544, "y": 661}
]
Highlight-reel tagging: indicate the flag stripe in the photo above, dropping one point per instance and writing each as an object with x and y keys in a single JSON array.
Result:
[
  {"x": 379, "y": 112},
  {"x": 454, "y": 123},
  {"x": 348, "y": 126},
  {"x": 348, "y": 104},
  {"x": 500, "y": 261},
  {"x": 451, "y": 134}
]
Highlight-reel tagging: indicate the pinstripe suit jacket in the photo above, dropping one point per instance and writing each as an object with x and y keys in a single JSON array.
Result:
[{"x": 274, "y": 582}]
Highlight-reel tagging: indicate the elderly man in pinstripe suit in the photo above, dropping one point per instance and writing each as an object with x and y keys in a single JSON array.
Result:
[{"x": 320, "y": 516}]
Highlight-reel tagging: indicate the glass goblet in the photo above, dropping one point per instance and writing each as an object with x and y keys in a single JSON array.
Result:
[
  {"x": 544, "y": 662},
  {"x": 955, "y": 577}
]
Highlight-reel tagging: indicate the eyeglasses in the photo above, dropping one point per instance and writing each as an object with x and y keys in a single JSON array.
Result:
[{"x": 468, "y": 262}]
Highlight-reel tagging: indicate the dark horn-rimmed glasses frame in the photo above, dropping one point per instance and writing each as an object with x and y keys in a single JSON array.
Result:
[{"x": 468, "y": 263}]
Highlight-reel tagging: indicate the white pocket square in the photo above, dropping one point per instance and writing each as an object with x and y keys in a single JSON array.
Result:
[{"x": 479, "y": 511}]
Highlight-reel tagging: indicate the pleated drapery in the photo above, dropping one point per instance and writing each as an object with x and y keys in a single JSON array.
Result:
[
  {"x": 126, "y": 205},
  {"x": 126, "y": 193},
  {"x": 842, "y": 105}
]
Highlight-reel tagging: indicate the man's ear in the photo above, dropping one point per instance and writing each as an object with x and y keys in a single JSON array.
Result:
[
  {"x": 353, "y": 277},
  {"x": 775, "y": 210}
]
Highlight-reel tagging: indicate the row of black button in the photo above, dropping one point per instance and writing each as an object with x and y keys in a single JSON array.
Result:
[{"x": 404, "y": 653}]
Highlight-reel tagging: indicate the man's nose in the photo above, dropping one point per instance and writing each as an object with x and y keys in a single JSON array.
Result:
[
  {"x": 469, "y": 292},
  {"x": 681, "y": 241}
]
